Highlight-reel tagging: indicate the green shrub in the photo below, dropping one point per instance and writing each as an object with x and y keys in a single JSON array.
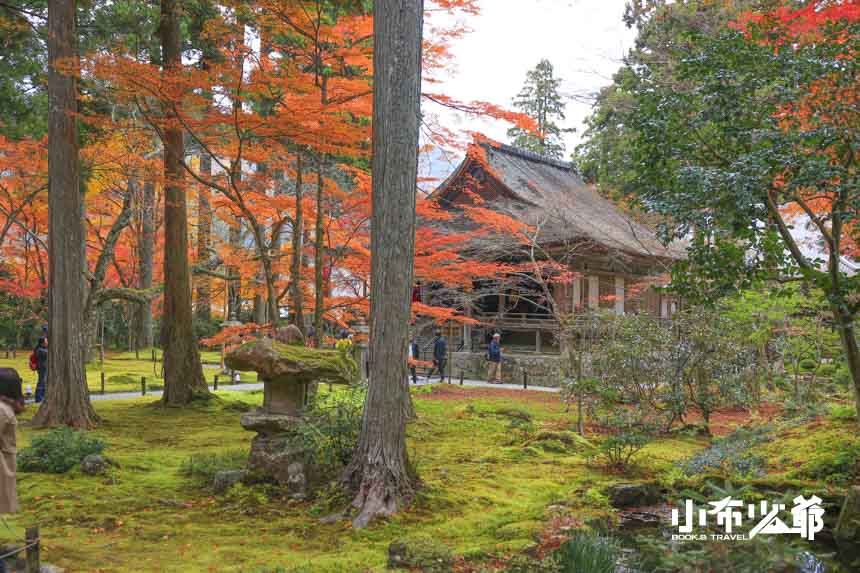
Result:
[
  {"x": 843, "y": 412},
  {"x": 619, "y": 450},
  {"x": 588, "y": 553},
  {"x": 203, "y": 467},
  {"x": 843, "y": 376},
  {"x": 730, "y": 454},
  {"x": 838, "y": 464},
  {"x": 58, "y": 451},
  {"x": 808, "y": 365},
  {"x": 827, "y": 369},
  {"x": 329, "y": 430},
  {"x": 595, "y": 498}
]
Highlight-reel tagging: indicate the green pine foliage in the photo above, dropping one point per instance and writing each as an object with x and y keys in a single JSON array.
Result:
[{"x": 541, "y": 100}]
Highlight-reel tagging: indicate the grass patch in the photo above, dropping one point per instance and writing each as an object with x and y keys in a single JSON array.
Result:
[{"x": 123, "y": 371}]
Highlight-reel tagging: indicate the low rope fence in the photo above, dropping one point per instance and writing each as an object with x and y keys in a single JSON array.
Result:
[{"x": 31, "y": 562}]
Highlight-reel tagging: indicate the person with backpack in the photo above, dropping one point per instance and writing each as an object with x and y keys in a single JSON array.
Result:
[
  {"x": 494, "y": 357},
  {"x": 39, "y": 363},
  {"x": 413, "y": 359},
  {"x": 11, "y": 404},
  {"x": 440, "y": 356}
]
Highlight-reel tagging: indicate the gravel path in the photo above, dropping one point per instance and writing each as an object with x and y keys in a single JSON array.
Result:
[{"x": 250, "y": 387}]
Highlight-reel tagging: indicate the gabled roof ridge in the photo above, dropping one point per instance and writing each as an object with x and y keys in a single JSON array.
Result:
[{"x": 529, "y": 155}]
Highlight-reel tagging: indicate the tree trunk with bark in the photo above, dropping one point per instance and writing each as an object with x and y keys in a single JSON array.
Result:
[
  {"x": 145, "y": 336},
  {"x": 379, "y": 473},
  {"x": 203, "y": 283},
  {"x": 183, "y": 372},
  {"x": 319, "y": 255},
  {"x": 93, "y": 297},
  {"x": 848, "y": 336},
  {"x": 296, "y": 310},
  {"x": 234, "y": 288},
  {"x": 68, "y": 399}
]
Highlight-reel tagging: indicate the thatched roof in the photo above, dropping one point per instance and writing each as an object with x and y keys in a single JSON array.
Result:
[{"x": 536, "y": 189}]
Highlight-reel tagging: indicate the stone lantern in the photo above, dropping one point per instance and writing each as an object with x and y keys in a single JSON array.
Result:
[{"x": 288, "y": 370}]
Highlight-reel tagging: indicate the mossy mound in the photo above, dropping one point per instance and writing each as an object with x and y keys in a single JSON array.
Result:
[
  {"x": 422, "y": 553},
  {"x": 563, "y": 441},
  {"x": 288, "y": 363}
]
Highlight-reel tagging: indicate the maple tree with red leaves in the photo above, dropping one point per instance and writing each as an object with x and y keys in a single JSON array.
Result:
[{"x": 277, "y": 141}]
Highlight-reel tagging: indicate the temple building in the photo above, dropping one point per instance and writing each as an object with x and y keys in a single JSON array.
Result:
[{"x": 601, "y": 256}]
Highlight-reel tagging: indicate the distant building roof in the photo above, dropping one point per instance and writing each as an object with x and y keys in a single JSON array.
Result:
[{"x": 539, "y": 189}]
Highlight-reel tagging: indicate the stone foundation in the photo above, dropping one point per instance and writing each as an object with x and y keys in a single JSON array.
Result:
[
  {"x": 542, "y": 369},
  {"x": 275, "y": 454}
]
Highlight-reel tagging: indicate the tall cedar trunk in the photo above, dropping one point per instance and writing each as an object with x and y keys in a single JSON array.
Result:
[
  {"x": 145, "y": 336},
  {"x": 296, "y": 310},
  {"x": 183, "y": 372},
  {"x": 379, "y": 472},
  {"x": 275, "y": 242},
  {"x": 203, "y": 283},
  {"x": 268, "y": 272},
  {"x": 319, "y": 256},
  {"x": 68, "y": 399},
  {"x": 234, "y": 287},
  {"x": 845, "y": 325}
]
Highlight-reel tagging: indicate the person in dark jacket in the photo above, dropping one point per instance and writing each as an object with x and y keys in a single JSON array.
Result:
[
  {"x": 11, "y": 404},
  {"x": 413, "y": 357},
  {"x": 41, "y": 352},
  {"x": 440, "y": 356},
  {"x": 494, "y": 356}
]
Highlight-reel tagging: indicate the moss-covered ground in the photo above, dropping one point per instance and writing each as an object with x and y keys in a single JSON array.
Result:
[
  {"x": 123, "y": 370},
  {"x": 481, "y": 494},
  {"x": 487, "y": 490}
]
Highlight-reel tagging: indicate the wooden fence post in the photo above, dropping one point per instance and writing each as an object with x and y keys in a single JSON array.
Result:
[
  {"x": 32, "y": 538},
  {"x": 461, "y": 377},
  {"x": 143, "y": 385},
  {"x": 216, "y": 382},
  {"x": 103, "y": 382},
  {"x": 525, "y": 380}
]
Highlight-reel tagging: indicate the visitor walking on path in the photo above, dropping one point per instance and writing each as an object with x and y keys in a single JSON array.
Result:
[
  {"x": 494, "y": 356},
  {"x": 413, "y": 358},
  {"x": 41, "y": 353},
  {"x": 440, "y": 356},
  {"x": 11, "y": 404}
]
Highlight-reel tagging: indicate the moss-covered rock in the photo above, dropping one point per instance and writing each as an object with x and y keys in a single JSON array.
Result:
[
  {"x": 420, "y": 553},
  {"x": 562, "y": 441},
  {"x": 286, "y": 363},
  {"x": 519, "y": 530}
]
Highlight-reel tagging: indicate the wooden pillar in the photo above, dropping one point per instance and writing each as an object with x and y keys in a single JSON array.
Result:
[
  {"x": 619, "y": 295},
  {"x": 664, "y": 306},
  {"x": 537, "y": 341},
  {"x": 593, "y": 292},
  {"x": 577, "y": 294}
]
